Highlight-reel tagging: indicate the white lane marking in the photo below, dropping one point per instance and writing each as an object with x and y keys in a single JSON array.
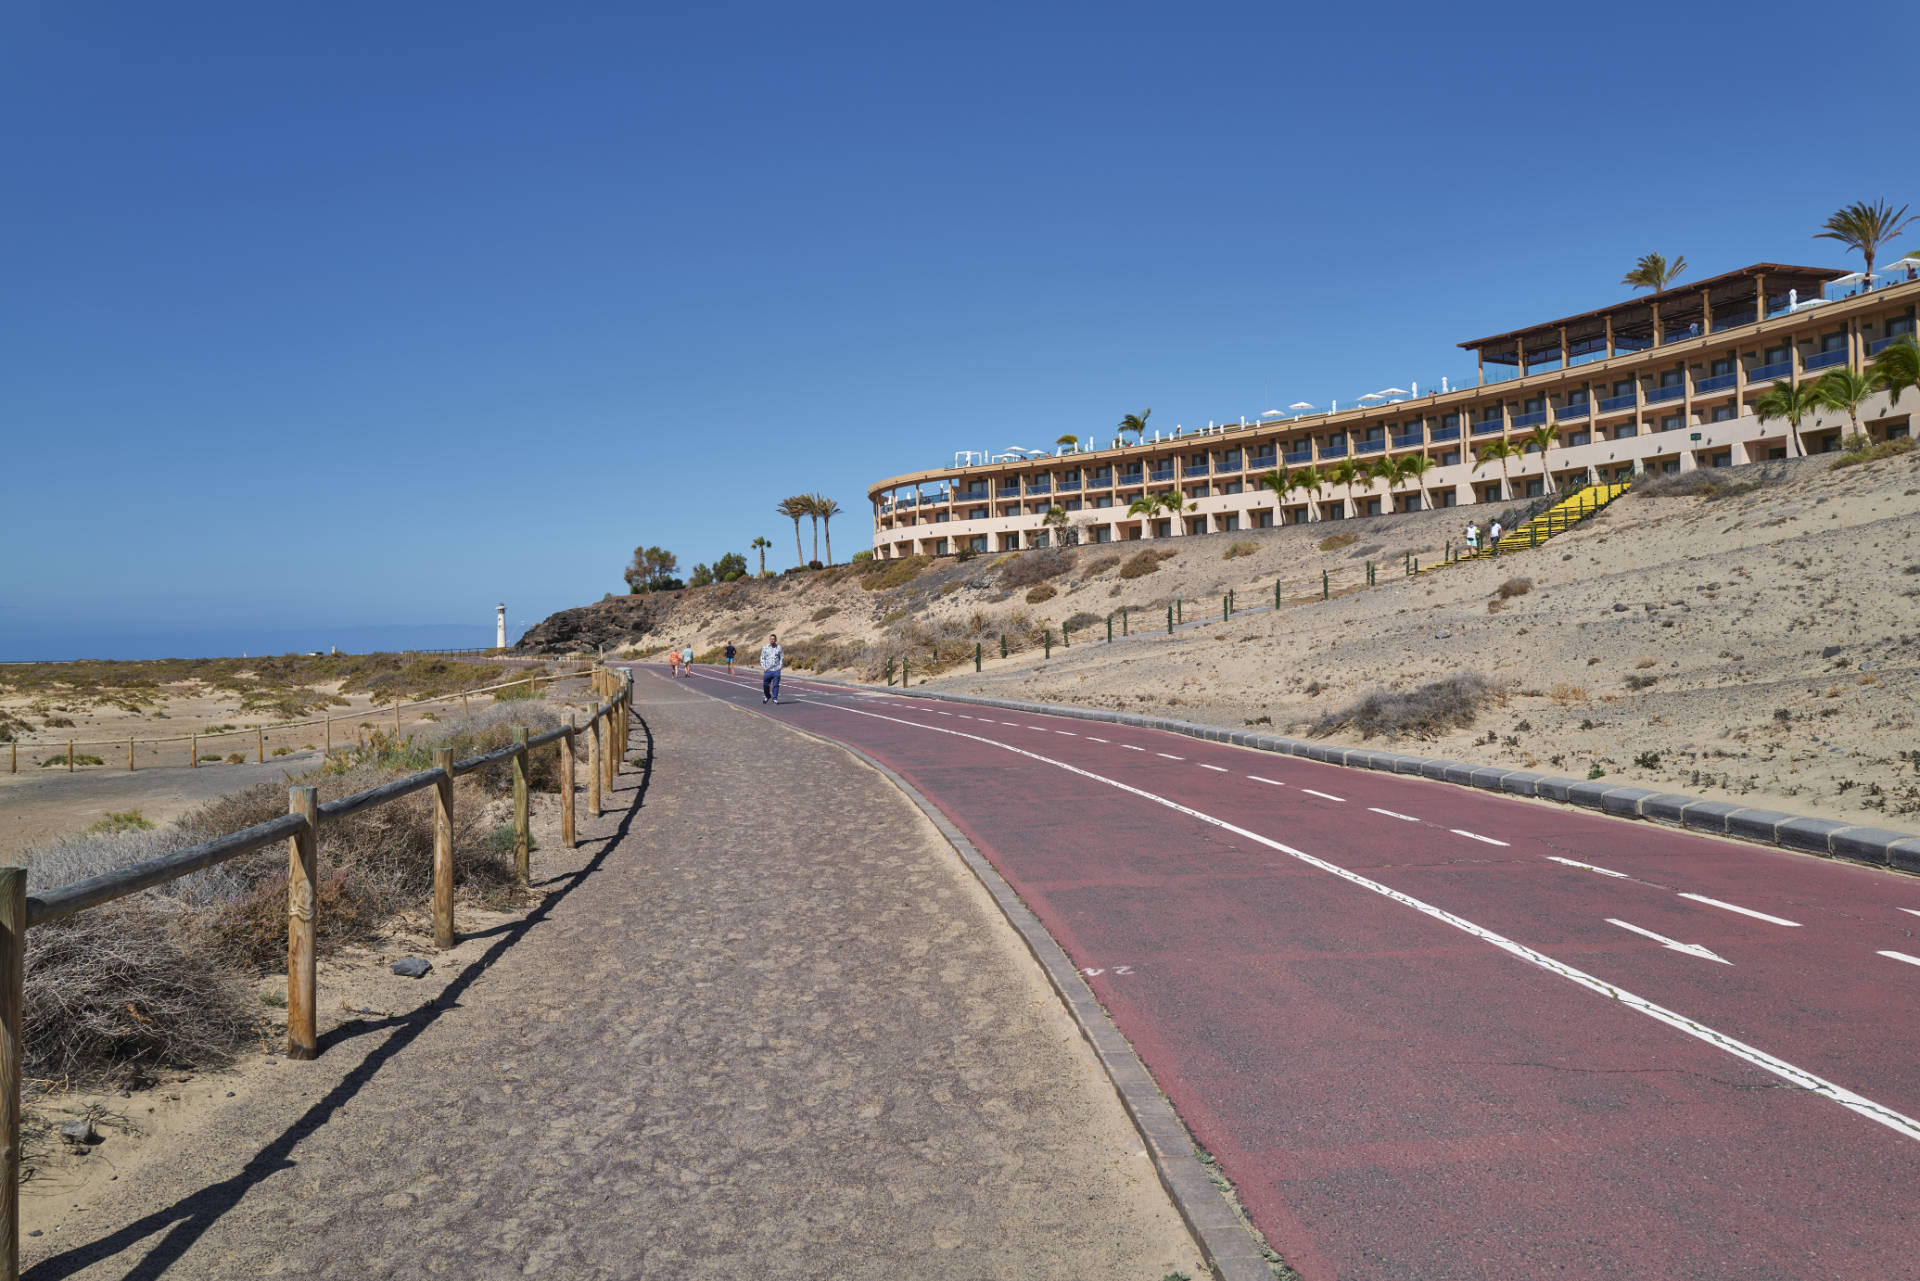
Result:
[
  {"x": 1041, "y": 728},
  {"x": 1092, "y": 739},
  {"x": 1475, "y": 836},
  {"x": 1170, "y": 756},
  {"x": 1744, "y": 911},
  {"x": 1588, "y": 867},
  {"x": 1324, "y": 795},
  {"x": 1915, "y": 911},
  {"x": 1131, "y": 748},
  {"x": 1405, "y": 818},
  {"x": 1268, "y": 781},
  {"x": 938, "y": 712},
  {"x": 963, "y": 716},
  {"x": 1218, "y": 768},
  {"x": 1069, "y": 733},
  {"x": 1859, "y": 1104},
  {"x": 1691, "y": 949},
  {"x": 1901, "y": 956}
]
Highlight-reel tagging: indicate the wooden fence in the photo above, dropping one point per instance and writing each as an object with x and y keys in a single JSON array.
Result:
[{"x": 301, "y": 827}]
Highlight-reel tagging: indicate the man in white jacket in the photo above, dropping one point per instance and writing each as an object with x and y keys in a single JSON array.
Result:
[{"x": 772, "y": 659}]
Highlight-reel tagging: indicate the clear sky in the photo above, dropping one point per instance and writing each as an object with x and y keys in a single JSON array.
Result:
[{"x": 324, "y": 322}]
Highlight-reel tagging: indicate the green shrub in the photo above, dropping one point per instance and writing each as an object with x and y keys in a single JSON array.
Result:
[
  {"x": 884, "y": 575},
  {"x": 1426, "y": 712},
  {"x": 79, "y": 758},
  {"x": 236, "y": 758},
  {"x": 124, "y": 821},
  {"x": 1240, "y": 549},
  {"x": 1144, "y": 563},
  {"x": 211, "y": 756},
  {"x": 282, "y": 751},
  {"x": 1334, "y": 542}
]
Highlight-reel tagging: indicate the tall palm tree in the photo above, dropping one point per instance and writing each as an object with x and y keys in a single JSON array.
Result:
[
  {"x": 761, "y": 544},
  {"x": 1345, "y": 472},
  {"x": 1897, "y": 366},
  {"x": 1311, "y": 480},
  {"x": 826, "y": 509},
  {"x": 1136, "y": 424},
  {"x": 1144, "y": 507},
  {"x": 1499, "y": 451},
  {"x": 1654, "y": 272},
  {"x": 1865, "y": 227},
  {"x": 795, "y": 507},
  {"x": 810, "y": 507},
  {"x": 1068, "y": 442},
  {"x": 1414, "y": 467},
  {"x": 1843, "y": 389},
  {"x": 1791, "y": 401},
  {"x": 1542, "y": 438},
  {"x": 1282, "y": 483}
]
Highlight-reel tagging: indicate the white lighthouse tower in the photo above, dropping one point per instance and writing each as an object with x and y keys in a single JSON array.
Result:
[{"x": 500, "y": 626}]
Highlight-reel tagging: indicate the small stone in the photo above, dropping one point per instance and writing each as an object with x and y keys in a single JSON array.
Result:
[
  {"x": 229, "y": 1093},
  {"x": 1618, "y": 608},
  {"x": 78, "y": 1132},
  {"x": 412, "y": 967},
  {"x": 1830, "y": 651},
  {"x": 34, "y": 1233}
]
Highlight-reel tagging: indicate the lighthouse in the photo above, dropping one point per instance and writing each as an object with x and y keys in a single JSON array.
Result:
[{"x": 499, "y": 626}]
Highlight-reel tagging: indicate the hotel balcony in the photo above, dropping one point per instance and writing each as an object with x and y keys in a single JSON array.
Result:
[
  {"x": 1778, "y": 369},
  {"x": 1827, "y": 359},
  {"x": 1043, "y": 487},
  {"x": 1487, "y": 426},
  {"x": 1160, "y": 474},
  {"x": 1069, "y": 486},
  {"x": 1614, "y": 404},
  {"x": 1572, "y": 413},
  {"x": 1879, "y": 345},
  {"x": 1410, "y": 439},
  {"x": 1334, "y": 451},
  {"x": 1718, "y": 382},
  {"x": 1130, "y": 480},
  {"x": 1294, "y": 457},
  {"x": 1262, "y": 462},
  {"x": 1369, "y": 446},
  {"x": 1445, "y": 433},
  {"x": 1200, "y": 470},
  {"x": 1009, "y": 491},
  {"x": 1533, "y": 419},
  {"x": 1661, "y": 395}
]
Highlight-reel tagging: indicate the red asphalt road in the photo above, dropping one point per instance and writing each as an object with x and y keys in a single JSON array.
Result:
[{"x": 1398, "y": 1096}]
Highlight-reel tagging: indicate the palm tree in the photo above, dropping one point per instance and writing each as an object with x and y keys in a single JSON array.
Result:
[
  {"x": 1414, "y": 467},
  {"x": 826, "y": 509},
  {"x": 1311, "y": 480},
  {"x": 1843, "y": 389},
  {"x": 1865, "y": 227},
  {"x": 795, "y": 507},
  {"x": 1069, "y": 442},
  {"x": 1542, "y": 438},
  {"x": 810, "y": 507},
  {"x": 762, "y": 543},
  {"x": 1136, "y": 424},
  {"x": 1499, "y": 451},
  {"x": 1282, "y": 483},
  {"x": 1345, "y": 472},
  {"x": 1056, "y": 519},
  {"x": 1791, "y": 401},
  {"x": 1897, "y": 367},
  {"x": 1653, "y": 272}
]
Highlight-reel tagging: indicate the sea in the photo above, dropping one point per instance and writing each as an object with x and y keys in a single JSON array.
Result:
[{"x": 39, "y": 643}]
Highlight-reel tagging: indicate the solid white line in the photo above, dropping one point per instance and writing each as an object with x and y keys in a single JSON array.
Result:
[
  {"x": 1588, "y": 867},
  {"x": 1220, "y": 768},
  {"x": 1475, "y": 836},
  {"x": 1744, "y": 911},
  {"x": 1170, "y": 756},
  {"x": 1878, "y": 1113},
  {"x": 1691, "y": 949},
  {"x": 1915, "y": 911},
  {"x": 1324, "y": 796},
  {"x": 1901, "y": 956},
  {"x": 1270, "y": 782},
  {"x": 1405, "y": 818}
]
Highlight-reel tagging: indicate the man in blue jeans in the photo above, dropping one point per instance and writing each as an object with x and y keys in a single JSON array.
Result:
[{"x": 772, "y": 659}]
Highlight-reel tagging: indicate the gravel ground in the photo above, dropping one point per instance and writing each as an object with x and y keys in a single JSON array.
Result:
[{"x": 763, "y": 1024}]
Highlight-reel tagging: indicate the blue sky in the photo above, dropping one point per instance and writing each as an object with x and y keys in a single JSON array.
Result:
[{"x": 363, "y": 316}]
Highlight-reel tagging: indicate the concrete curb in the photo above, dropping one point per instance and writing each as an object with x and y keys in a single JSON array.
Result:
[
  {"x": 1858, "y": 843},
  {"x": 1225, "y": 1240}
]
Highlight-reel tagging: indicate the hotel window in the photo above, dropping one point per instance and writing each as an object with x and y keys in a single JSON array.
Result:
[
  {"x": 1535, "y": 404},
  {"x": 1103, "y": 534},
  {"x": 976, "y": 513},
  {"x": 1450, "y": 420},
  {"x": 1071, "y": 473},
  {"x": 1073, "y": 504},
  {"x": 1577, "y": 438},
  {"x": 1449, "y": 458},
  {"x": 1670, "y": 423},
  {"x": 1263, "y": 519},
  {"x": 1670, "y": 466},
  {"x": 1721, "y": 414},
  {"x": 1776, "y": 356},
  {"x": 1672, "y": 377},
  {"x": 1724, "y": 365},
  {"x": 1624, "y": 387},
  {"x": 1105, "y": 500},
  {"x": 1131, "y": 476},
  {"x": 1627, "y": 432},
  {"x": 938, "y": 517},
  {"x": 1103, "y": 476},
  {"x": 1231, "y": 460},
  {"x": 1490, "y": 494},
  {"x": 1899, "y": 325},
  {"x": 1448, "y": 498},
  {"x": 1834, "y": 342},
  {"x": 939, "y": 547},
  {"x": 1231, "y": 487},
  {"x": 1229, "y": 523},
  {"x": 1578, "y": 396}
]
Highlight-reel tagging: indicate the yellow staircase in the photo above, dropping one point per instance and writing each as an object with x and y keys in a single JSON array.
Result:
[{"x": 1557, "y": 519}]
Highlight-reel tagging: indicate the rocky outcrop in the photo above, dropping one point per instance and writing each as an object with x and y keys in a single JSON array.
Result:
[{"x": 612, "y": 623}]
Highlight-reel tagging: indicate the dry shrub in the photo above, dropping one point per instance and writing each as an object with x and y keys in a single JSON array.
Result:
[
  {"x": 1031, "y": 568},
  {"x": 1043, "y": 592},
  {"x": 1514, "y": 587},
  {"x": 1861, "y": 450},
  {"x": 824, "y": 612},
  {"x": 885, "y": 575},
  {"x": 1426, "y": 712},
  {"x": 1567, "y": 694},
  {"x": 1083, "y": 620},
  {"x": 1334, "y": 542},
  {"x": 1238, "y": 550},
  {"x": 1144, "y": 563},
  {"x": 1647, "y": 662},
  {"x": 1099, "y": 565}
]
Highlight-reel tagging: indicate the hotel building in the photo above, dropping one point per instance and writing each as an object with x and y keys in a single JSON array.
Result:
[{"x": 1659, "y": 383}]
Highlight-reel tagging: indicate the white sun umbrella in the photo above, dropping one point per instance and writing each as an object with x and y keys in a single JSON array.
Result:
[
  {"x": 1370, "y": 396},
  {"x": 1299, "y": 405},
  {"x": 1274, "y": 413},
  {"x": 1393, "y": 391}
]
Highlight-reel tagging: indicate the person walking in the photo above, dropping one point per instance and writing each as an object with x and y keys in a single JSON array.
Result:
[
  {"x": 732, "y": 653},
  {"x": 772, "y": 659},
  {"x": 673, "y": 661},
  {"x": 686, "y": 661},
  {"x": 1493, "y": 537},
  {"x": 1473, "y": 538}
]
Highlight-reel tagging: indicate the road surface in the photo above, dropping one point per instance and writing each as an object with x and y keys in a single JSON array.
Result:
[{"x": 1431, "y": 1032}]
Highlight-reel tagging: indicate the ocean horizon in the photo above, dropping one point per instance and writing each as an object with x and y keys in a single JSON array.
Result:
[{"x": 54, "y": 643}]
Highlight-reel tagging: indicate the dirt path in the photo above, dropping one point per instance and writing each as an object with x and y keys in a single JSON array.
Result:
[{"x": 764, "y": 1024}]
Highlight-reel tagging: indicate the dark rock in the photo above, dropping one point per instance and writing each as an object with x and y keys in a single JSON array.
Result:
[
  {"x": 412, "y": 967},
  {"x": 1830, "y": 651},
  {"x": 79, "y": 1132},
  {"x": 623, "y": 620}
]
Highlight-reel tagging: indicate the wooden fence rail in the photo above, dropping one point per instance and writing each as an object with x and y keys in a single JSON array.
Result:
[{"x": 301, "y": 828}]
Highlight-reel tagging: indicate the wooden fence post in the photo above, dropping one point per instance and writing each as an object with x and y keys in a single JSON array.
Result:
[
  {"x": 260, "y": 745},
  {"x": 129, "y": 756},
  {"x": 443, "y": 936},
  {"x": 13, "y": 967},
  {"x": 593, "y": 767},
  {"x": 329, "y": 747},
  {"x": 567, "y": 836},
  {"x": 195, "y": 749},
  {"x": 522, "y": 834},
  {"x": 303, "y": 1042},
  {"x": 396, "y": 722},
  {"x": 69, "y": 756}
]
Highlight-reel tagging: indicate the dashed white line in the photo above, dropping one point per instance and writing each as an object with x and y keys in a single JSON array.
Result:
[
  {"x": 1217, "y": 768},
  {"x": 1270, "y": 782},
  {"x": 1901, "y": 956},
  {"x": 1744, "y": 911},
  {"x": 1588, "y": 867},
  {"x": 1170, "y": 756},
  {"x": 1405, "y": 818},
  {"x": 1914, "y": 911},
  {"x": 1325, "y": 796},
  {"x": 1131, "y": 748},
  {"x": 1475, "y": 836},
  {"x": 1069, "y": 733},
  {"x": 1092, "y": 739}
]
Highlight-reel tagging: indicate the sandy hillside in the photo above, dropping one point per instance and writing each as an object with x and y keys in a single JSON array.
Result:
[{"x": 1760, "y": 642}]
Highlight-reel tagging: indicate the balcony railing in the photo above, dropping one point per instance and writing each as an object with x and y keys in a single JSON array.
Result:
[
  {"x": 1410, "y": 439},
  {"x": 1680, "y": 335},
  {"x": 1487, "y": 426},
  {"x": 1128, "y": 480},
  {"x": 1199, "y": 469},
  {"x": 1661, "y": 395},
  {"x": 1009, "y": 491},
  {"x": 1159, "y": 474},
  {"x": 1718, "y": 382},
  {"x": 1778, "y": 369},
  {"x": 1101, "y": 482},
  {"x": 1879, "y": 345},
  {"x": 1369, "y": 446},
  {"x": 1040, "y": 487},
  {"x": 1533, "y": 419},
  {"x": 1334, "y": 451},
  {"x": 1445, "y": 433},
  {"x": 1228, "y": 462},
  {"x": 1069, "y": 486},
  {"x": 1293, "y": 456},
  {"x": 1611, "y": 404},
  {"x": 1260, "y": 462},
  {"x": 1827, "y": 359},
  {"x": 1571, "y": 413},
  {"x": 1733, "y": 320}
]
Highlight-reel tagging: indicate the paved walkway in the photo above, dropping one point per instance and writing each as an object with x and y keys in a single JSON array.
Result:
[{"x": 764, "y": 1025}]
